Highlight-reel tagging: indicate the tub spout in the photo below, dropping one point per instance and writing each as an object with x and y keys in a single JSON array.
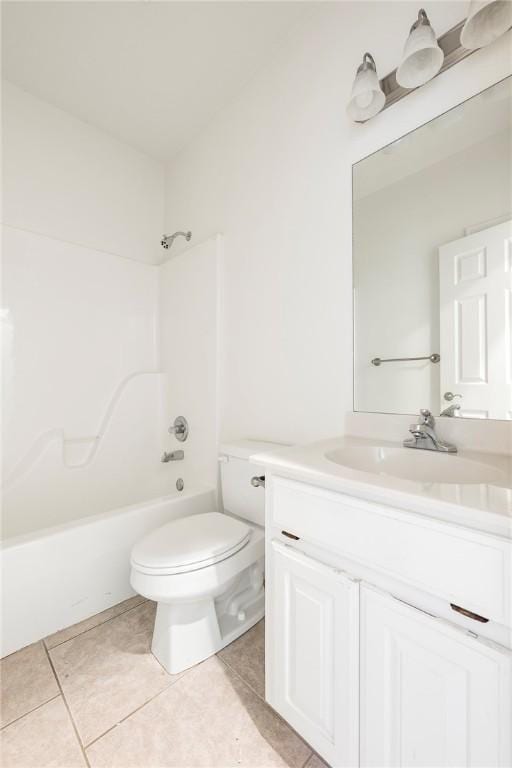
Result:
[{"x": 172, "y": 456}]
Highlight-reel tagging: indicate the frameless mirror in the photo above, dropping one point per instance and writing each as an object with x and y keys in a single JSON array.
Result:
[{"x": 432, "y": 266}]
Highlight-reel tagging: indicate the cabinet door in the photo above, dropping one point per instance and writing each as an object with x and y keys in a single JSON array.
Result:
[
  {"x": 431, "y": 694},
  {"x": 312, "y": 652}
]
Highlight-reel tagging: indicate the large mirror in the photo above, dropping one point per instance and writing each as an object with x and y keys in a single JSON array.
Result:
[{"x": 432, "y": 265}]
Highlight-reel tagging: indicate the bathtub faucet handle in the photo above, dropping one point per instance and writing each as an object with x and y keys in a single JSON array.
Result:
[{"x": 179, "y": 429}]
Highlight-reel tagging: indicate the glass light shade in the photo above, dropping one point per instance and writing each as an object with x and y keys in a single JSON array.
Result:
[
  {"x": 422, "y": 59},
  {"x": 367, "y": 97},
  {"x": 487, "y": 20}
]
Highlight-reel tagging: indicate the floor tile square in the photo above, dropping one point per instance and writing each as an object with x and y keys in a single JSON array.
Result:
[
  {"x": 45, "y": 738},
  {"x": 109, "y": 671},
  {"x": 208, "y": 719},
  {"x": 246, "y": 656},
  {"x": 26, "y": 681},
  {"x": 93, "y": 621}
]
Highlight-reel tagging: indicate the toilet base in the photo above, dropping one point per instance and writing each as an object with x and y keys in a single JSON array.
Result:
[
  {"x": 188, "y": 633},
  {"x": 184, "y": 634}
]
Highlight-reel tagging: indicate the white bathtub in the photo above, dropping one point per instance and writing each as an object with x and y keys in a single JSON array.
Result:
[{"x": 59, "y": 576}]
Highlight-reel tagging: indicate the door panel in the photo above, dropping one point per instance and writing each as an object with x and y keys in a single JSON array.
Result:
[
  {"x": 431, "y": 694},
  {"x": 312, "y": 652},
  {"x": 475, "y": 274}
]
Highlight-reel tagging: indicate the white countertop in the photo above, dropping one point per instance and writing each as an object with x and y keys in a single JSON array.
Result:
[{"x": 482, "y": 506}]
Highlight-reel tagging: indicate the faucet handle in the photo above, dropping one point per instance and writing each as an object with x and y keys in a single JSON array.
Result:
[
  {"x": 179, "y": 429},
  {"x": 427, "y": 417}
]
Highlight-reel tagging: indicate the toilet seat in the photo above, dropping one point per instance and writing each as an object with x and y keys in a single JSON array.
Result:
[{"x": 189, "y": 544}]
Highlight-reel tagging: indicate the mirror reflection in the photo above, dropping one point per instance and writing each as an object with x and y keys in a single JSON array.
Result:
[{"x": 432, "y": 239}]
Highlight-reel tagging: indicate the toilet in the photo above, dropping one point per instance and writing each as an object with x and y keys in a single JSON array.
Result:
[{"x": 206, "y": 571}]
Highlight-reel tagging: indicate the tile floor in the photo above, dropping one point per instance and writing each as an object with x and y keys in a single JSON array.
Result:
[{"x": 94, "y": 695}]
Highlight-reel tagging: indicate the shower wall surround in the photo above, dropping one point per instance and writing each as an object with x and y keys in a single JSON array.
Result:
[
  {"x": 84, "y": 376},
  {"x": 190, "y": 344},
  {"x": 81, "y": 388}
]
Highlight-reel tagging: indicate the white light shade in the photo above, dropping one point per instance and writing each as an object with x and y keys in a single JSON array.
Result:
[
  {"x": 487, "y": 20},
  {"x": 422, "y": 59},
  {"x": 367, "y": 97}
]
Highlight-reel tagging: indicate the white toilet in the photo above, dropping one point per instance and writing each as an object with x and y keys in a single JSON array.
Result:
[{"x": 206, "y": 571}]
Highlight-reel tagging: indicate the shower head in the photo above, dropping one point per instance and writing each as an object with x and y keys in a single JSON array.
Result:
[{"x": 167, "y": 240}]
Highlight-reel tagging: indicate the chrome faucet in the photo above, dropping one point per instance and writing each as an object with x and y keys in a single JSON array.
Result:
[
  {"x": 424, "y": 435},
  {"x": 172, "y": 456}
]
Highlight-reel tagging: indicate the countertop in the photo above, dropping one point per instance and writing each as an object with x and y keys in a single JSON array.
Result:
[{"x": 482, "y": 506}]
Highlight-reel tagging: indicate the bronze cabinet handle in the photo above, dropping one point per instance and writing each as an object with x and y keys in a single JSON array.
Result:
[
  {"x": 468, "y": 614},
  {"x": 290, "y": 535}
]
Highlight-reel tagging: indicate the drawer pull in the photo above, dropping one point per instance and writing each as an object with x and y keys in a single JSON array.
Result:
[
  {"x": 468, "y": 614},
  {"x": 290, "y": 535}
]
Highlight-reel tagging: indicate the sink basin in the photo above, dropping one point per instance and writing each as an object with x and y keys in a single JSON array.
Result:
[{"x": 417, "y": 465}]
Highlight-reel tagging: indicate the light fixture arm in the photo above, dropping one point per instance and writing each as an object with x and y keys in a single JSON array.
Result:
[
  {"x": 422, "y": 20},
  {"x": 368, "y": 63}
]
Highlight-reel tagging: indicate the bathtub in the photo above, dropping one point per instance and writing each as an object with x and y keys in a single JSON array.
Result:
[{"x": 58, "y": 576}]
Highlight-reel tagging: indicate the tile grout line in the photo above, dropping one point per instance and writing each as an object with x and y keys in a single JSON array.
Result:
[
  {"x": 29, "y": 712},
  {"x": 137, "y": 709},
  {"x": 315, "y": 754},
  {"x": 84, "y": 632},
  {"x": 262, "y": 698},
  {"x": 73, "y": 724},
  {"x": 173, "y": 682}
]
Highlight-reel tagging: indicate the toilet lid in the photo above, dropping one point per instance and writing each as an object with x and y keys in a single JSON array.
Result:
[{"x": 190, "y": 543}]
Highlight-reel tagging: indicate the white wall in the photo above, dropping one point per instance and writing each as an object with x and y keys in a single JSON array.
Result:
[
  {"x": 273, "y": 173},
  {"x": 396, "y": 268},
  {"x": 70, "y": 181},
  {"x": 82, "y": 392}
]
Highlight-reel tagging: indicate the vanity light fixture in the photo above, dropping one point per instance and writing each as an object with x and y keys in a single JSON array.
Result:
[
  {"x": 487, "y": 20},
  {"x": 367, "y": 97},
  {"x": 423, "y": 57}
]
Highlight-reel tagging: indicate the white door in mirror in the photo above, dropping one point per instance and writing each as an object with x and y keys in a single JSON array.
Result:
[{"x": 475, "y": 286}]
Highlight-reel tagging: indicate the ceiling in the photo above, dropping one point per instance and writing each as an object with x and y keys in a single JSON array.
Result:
[{"x": 151, "y": 74}]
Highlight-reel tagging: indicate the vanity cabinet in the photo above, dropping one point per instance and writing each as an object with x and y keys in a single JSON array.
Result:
[
  {"x": 364, "y": 666},
  {"x": 313, "y": 652}
]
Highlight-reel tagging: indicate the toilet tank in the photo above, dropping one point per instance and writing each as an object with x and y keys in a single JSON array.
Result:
[{"x": 239, "y": 497}]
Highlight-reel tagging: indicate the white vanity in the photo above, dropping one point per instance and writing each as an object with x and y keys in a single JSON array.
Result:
[{"x": 388, "y": 616}]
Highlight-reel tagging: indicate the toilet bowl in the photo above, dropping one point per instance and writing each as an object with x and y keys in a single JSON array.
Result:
[{"x": 206, "y": 571}]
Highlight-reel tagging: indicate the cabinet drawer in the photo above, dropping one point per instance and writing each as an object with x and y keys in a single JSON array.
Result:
[{"x": 462, "y": 566}]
